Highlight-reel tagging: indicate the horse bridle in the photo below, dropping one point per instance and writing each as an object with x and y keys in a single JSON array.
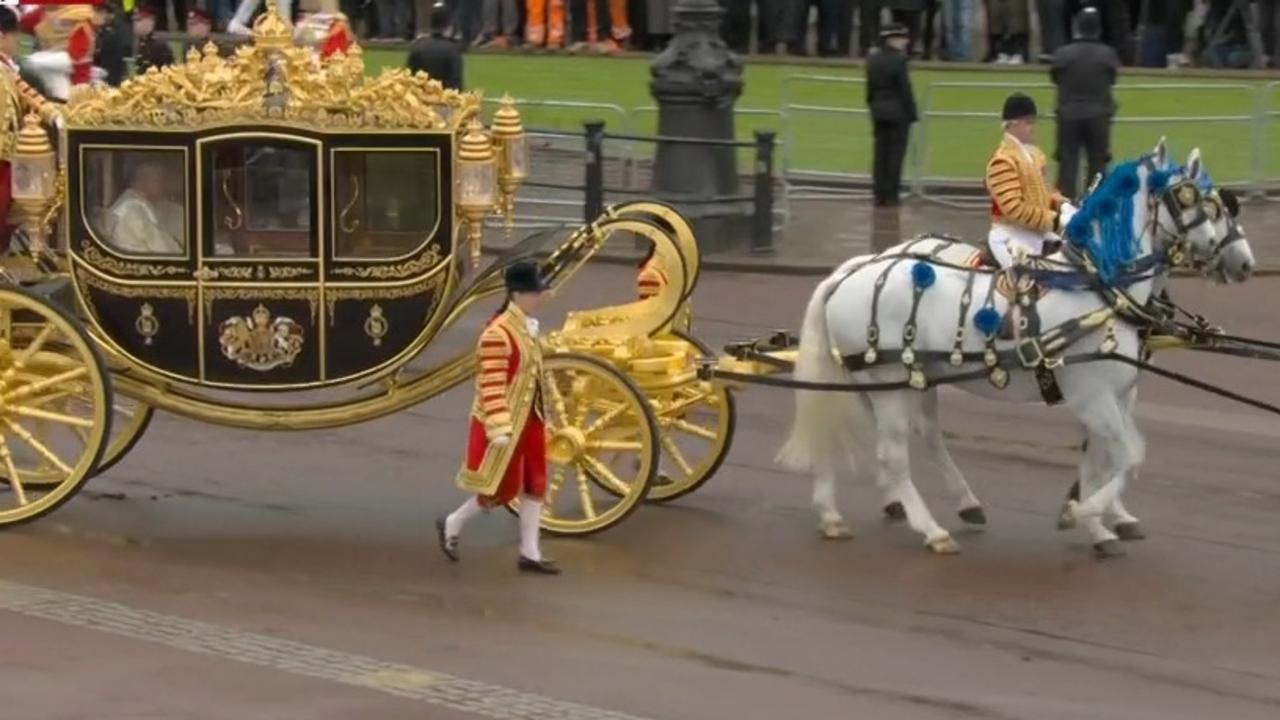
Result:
[{"x": 1181, "y": 197}]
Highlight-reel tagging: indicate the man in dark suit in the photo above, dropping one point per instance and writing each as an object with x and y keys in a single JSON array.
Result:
[
  {"x": 893, "y": 109},
  {"x": 437, "y": 55},
  {"x": 1084, "y": 71}
]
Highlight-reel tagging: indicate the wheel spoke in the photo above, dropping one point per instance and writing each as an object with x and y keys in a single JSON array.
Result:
[
  {"x": 14, "y": 477},
  {"x": 36, "y": 387},
  {"x": 695, "y": 430},
  {"x": 553, "y": 490},
  {"x": 584, "y": 496},
  {"x": 616, "y": 445},
  {"x": 557, "y": 398},
  {"x": 605, "y": 419},
  {"x": 669, "y": 445},
  {"x": 36, "y": 445},
  {"x": 679, "y": 407},
  {"x": 605, "y": 474},
  {"x": 20, "y": 359},
  {"x": 72, "y": 420}
]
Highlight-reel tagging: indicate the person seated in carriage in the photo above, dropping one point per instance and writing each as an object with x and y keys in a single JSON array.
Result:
[
  {"x": 1025, "y": 211},
  {"x": 143, "y": 220}
]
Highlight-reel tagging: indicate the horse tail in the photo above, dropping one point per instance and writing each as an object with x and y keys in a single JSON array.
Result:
[{"x": 816, "y": 431}]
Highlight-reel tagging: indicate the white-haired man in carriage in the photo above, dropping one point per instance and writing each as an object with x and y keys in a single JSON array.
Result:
[{"x": 1025, "y": 211}]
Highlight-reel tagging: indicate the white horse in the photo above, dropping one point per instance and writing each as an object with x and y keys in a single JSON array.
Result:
[{"x": 1145, "y": 212}]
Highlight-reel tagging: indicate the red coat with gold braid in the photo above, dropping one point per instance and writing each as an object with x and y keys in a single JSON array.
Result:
[
  {"x": 328, "y": 32},
  {"x": 67, "y": 37},
  {"x": 508, "y": 403}
]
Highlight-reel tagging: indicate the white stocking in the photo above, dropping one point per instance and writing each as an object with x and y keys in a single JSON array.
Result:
[
  {"x": 530, "y": 517},
  {"x": 458, "y": 518}
]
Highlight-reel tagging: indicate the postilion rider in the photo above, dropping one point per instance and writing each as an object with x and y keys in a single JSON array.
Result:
[
  {"x": 507, "y": 445},
  {"x": 1024, "y": 211}
]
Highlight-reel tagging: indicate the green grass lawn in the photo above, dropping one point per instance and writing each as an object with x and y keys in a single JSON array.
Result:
[{"x": 947, "y": 145}]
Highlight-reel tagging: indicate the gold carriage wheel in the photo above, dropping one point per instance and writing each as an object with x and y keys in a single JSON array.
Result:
[
  {"x": 130, "y": 419},
  {"x": 600, "y": 433},
  {"x": 697, "y": 422},
  {"x": 55, "y": 406}
]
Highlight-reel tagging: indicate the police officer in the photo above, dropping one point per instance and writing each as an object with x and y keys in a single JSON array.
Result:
[
  {"x": 150, "y": 52},
  {"x": 893, "y": 109},
  {"x": 437, "y": 55},
  {"x": 1084, "y": 71}
]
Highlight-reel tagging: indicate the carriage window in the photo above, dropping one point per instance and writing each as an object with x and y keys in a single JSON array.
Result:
[
  {"x": 386, "y": 202},
  {"x": 135, "y": 200},
  {"x": 261, "y": 196}
]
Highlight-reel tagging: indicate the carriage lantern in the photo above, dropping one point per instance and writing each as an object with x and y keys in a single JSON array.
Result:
[
  {"x": 513, "y": 150},
  {"x": 34, "y": 176},
  {"x": 477, "y": 183}
]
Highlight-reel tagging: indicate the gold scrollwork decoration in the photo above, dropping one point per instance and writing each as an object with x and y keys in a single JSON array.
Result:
[
  {"x": 376, "y": 326},
  {"x": 147, "y": 293},
  {"x": 287, "y": 272},
  {"x": 213, "y": 294},
  {"x": 352, "y": 226},
  {"x": 237, "y": 221},
  {"x": 334, "y": 295},
  {"x": 259, "y": 341},
  {"x": 106, "y": 263},
  {"x": 236, "y": 272},
  {"x": 147, "y": 325},
  {"x": 332, "y": 93},
  {"x": 427, "y": 260}
]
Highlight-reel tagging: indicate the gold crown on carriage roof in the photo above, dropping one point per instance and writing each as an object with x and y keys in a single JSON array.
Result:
[{"x": 271, "y": 79}]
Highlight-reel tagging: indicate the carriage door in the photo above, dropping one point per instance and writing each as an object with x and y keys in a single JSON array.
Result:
[
  {"x": 129, "y": 209},
  {"x": 259, "y": 264},
  {"x": 387, "y": 265}
]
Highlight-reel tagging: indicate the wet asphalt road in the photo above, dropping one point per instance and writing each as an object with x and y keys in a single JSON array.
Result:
[{"x": 226, "y": 574}]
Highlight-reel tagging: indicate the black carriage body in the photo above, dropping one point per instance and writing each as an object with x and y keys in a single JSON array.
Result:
[{"x": 262, "y": 257}]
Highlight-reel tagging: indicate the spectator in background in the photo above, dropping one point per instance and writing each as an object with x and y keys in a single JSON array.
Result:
[
  {"x": 544, "y": 23},
  {"x": 658, "y": 19},
  {"x": 1053, "y": 26},
  {"x": 199, "y": 27},
  {"x": 179, "y": 8},
  {"x": 893, "y": 110},
  {"x": 591, "y": 26},
  {"x": 395, "y": 18},
  {"x": 1084, "y": 71},
  {"x": 500, "y": 24},
  {"x": 150, "y": 52},
  {"x": 868, "y": 26},
  {"x": 1008, "y": 27},
  {"x": 771, "y": 17},
  {"x": 795, "y": 18},
  {"x": 109, "y": 49},
  {"x": 907, "y": 13},
  {"x": 957, "y": 23},
  {"x": 1269, "y": 27},
  {"x": 1117, "y": 27},
  {"x": 437, "y": 55}
]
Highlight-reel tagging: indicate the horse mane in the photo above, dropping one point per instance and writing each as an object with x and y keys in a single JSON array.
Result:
[{"x": 1103, "y": 226}]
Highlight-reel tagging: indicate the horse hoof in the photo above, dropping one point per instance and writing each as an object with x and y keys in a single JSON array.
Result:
[
  {"x": 1108, "y": 549},
  {"x": 835, "y": 531},
  {"x": 894, "y": 512},
  {"x": 1067, "y": 518},
  {"x": 974, "y": 516},
  {"x": 1130, "y": 531},
  {"x": 944, "y": 546}
]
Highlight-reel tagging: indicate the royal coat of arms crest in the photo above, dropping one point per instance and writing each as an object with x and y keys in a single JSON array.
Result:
[{"x": 258, "y": 342}]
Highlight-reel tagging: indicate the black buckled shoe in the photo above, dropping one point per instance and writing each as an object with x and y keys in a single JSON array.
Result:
[
  {"x": 448, "y": 545},
  {"x": 541, "y": 567}
]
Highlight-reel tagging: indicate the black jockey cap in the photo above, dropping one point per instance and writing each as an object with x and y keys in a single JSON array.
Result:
[
  {"x": 1088, "y": 24},
  {"x": 893, "y": 30},
  {"x": 523, "y": 276},
  {"x": 1018, "y": 106}
]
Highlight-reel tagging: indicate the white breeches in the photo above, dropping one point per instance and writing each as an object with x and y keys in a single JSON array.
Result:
[{"x": 1006, "y": 241}]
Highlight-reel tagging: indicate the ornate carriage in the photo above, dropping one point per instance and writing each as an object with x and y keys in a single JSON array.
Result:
[{"x": 276, "y": 223}]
